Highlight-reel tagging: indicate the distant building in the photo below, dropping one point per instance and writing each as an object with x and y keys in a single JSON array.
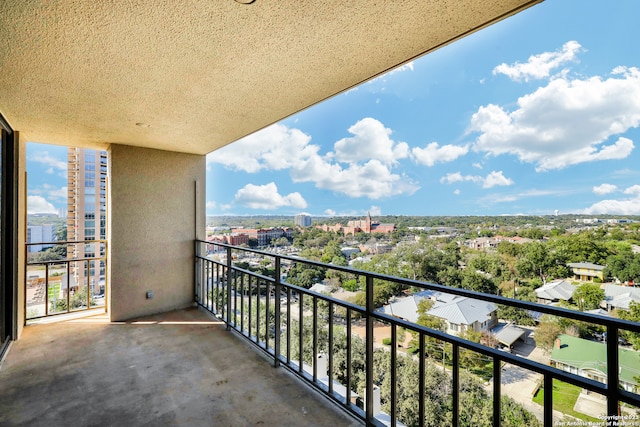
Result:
[
  {"x": 586, "y": 271},
  {"x": 620, "y": 297},
  {"x": 555, "y": 291},
  {"x": 589, "y": 359},
  {"x": 40, "y": 234},
  {"x": 482, "y": 243},
  {"x": 87, "y": 213},
  {"x": 264, "y": 236},
  {"x": 303, "y": 220},
  {"x": 235, "y": 239},
  {"x": 458, "y": 313},
  {"x": 366, "y": 225}
]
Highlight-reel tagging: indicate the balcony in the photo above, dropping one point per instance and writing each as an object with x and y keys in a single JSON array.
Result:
[
  {"x": 197, "y": 367},
  {"x": 179, "y": 368}
]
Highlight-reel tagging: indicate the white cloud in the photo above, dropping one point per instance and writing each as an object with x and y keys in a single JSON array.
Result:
[
  {"x": 372, "y": 179},
  {"x": 604, "y": 189},
  {"x": 433, "y": 153},
  {"x": 359, "y": 167},
  {"x": 614, "y": 207},
  {"x": 330, "y": 212},
  {"x": 564, "y": 123},
  {"x": 370, "y": 140},
  {"x": 477, "y": 165},
  {"x": 275, "y": 147},
  {"x": 634, "y": 190},
  {"x": 508, "y": 198},
  {"x": 495, "y": 178},
  {"x": 540, "y": 66},
  {"x": 456, "y": 191},
  {"x": 46, "y": 159},
  {"x": 38, "y": 204},
  {"x": 49, "y": 191},
  {"x": 211, "y": 204},
  {"x": 375, "y": 210},
  {"x": 267, "y": 197}
]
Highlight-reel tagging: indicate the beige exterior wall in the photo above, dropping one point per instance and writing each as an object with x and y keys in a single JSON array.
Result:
[{"x": 156, "y": 209}]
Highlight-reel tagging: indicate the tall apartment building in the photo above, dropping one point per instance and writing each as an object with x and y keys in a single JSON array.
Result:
[
  {"x": 87, "y": 213},
  {"x": 303, "y": 220}
]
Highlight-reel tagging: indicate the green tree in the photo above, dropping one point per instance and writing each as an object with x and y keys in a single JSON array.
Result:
[
  {"x": 547, "y": 332},
  {"x": 632, "y": 314},
  {"x": 536, "y": 261},
  {"x": 588, "y": 296},
  {"x": 517, "y": 315},
  {"x": 478, "y": 282}
]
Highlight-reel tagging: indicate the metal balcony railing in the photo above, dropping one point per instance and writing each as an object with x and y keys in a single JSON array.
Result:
[
  {"x": 72, "y": 278},
  {"x": 270, "y": 313}
]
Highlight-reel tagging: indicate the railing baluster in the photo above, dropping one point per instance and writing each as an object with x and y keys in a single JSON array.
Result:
[
  {"x": 455, "y": 383},
  {"x": 421, "y": 375},
  {"x": 315, "y": 339},
  {"x": 330, "y": 349},
  {"x": 258, "y": 283},
  {"x": 348, "y": 385},
  {"x": 369, "y": 349},
  {"x": 277, "y": 320},
  {"x": 249, "y": 305},
  {"x": 613, "y": 371},
  {"x": 394, "y": 356},
  {"x": 228, "y": 288},
  {"x": 300, "y": 332},
  {"x": 548, "y": 399},
  {"x": 242, "y": 291},
  {"x": 497, "y": 370},
  {"x": 288, "y": 325},
  {"x": 46, "y": 289}
]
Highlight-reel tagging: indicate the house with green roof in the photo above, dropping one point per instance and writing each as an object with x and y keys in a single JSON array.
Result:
[{"x": 589, "y": 359}]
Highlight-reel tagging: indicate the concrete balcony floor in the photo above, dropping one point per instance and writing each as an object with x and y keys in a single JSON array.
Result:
[{"x": 179, "y": 368}]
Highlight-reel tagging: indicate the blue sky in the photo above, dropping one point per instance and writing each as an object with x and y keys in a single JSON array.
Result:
[{"x": 538, "y": 113}]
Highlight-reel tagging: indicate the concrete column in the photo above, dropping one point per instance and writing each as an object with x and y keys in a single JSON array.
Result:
[{"x": 156, "y": 210}]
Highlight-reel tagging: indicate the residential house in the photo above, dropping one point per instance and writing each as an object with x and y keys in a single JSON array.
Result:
[
  {"x": 458, "y": 313},
  {"x": 589, "y": 359},
  {"x": 554, "y": 291},
  {"x": 587, "y": 271},
  {"x": 620, "y": 297}
]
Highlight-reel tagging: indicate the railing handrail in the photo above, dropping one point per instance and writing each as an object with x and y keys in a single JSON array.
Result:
[
  {"x": 66, "y": 242},
  {"x": 66, "y": 265},
  {"x": 611, "y": 389},
  {"x": 498, "y": 299}
]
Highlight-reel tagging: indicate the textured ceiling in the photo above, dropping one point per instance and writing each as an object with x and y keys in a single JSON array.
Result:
[{"x": 200, "y": 74}]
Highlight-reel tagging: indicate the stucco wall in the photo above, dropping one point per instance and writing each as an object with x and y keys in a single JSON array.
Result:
[{"x": 154, "y": 216}]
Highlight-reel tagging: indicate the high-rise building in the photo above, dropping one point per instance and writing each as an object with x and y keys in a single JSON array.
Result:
[
  {"x": 87, "y": 213},
  {"x": 303, "y": 220}
]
